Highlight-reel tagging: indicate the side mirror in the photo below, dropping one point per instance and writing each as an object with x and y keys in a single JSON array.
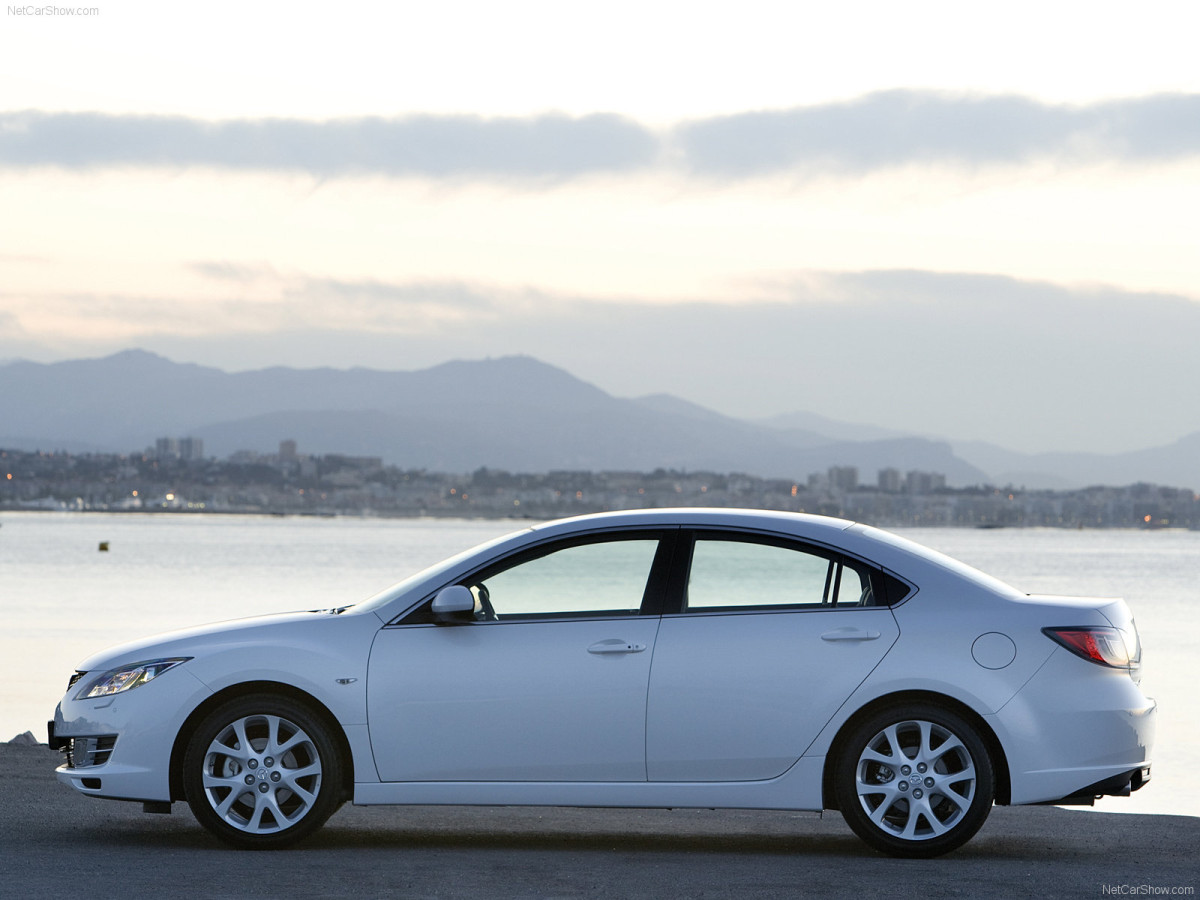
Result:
[{"x": 453, "y": 604}]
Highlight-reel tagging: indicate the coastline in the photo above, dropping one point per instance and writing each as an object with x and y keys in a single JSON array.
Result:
[
  {"x": 470, "y": 515},
  {"x": 291, "y": 483}
]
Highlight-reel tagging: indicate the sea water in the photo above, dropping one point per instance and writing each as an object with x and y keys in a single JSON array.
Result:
[{"x": 63, "y": 598}]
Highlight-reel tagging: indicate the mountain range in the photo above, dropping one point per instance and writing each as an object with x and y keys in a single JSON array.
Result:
[{"x": 513, "y": 413}]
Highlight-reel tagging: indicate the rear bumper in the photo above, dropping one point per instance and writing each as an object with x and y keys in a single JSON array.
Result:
[
  {"x": 1121, "y": 785},
  {"x": 1076, "y": 731}
]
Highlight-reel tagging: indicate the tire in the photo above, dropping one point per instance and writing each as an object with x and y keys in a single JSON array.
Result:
[
  {"x": 914, "y": 781},
  {"x": 261, "y": 772}
]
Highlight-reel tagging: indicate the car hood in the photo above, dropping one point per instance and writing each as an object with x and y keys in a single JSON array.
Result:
[{"x": 177, "y": 643}]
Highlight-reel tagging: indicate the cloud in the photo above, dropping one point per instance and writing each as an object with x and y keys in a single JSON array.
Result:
[
  {"x": 341, "y": 302},
  {"x": 371, "y": 292},
  {"x": 877, "y": 131},
  {"x": 240, "y": 273},
  {"x": 541, "y": 147},
  {"x": 413, "y": 308},
  {"x": 895, "y": 128},
  {"x": 277, "y": 303}
]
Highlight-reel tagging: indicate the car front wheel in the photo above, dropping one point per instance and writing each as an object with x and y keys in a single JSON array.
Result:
[
  {"x": 915, "y": 781},
  {"x": 261, "y": 772}
]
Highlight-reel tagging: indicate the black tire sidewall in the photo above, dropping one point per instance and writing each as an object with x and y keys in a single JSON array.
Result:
[
  {"x": 851, "y": 806},
  {"x": 328, "y": 795}
]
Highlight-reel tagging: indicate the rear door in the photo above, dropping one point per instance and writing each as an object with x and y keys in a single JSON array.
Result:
[{"x": 768, "y": 639}]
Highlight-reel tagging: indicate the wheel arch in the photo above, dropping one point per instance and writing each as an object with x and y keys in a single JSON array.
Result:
[
  {"x": 315, "y": 706},
  {"x": 994, "y": 747}
]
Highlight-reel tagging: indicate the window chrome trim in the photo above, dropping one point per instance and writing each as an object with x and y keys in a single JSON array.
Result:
[{"x": 666, "y": 536}]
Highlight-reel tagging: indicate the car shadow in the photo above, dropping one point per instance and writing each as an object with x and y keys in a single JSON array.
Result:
[
  {"x": 389, "y": 840},
  {"x": 602, "y": 841},
  {"x": 480, "y": 830},
  {"x": 185, "y": 834}
]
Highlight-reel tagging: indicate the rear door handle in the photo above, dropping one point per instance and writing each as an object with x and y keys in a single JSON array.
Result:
[
  {"x": 849, "y": 634},
  {"x": 615, "y": 645}
]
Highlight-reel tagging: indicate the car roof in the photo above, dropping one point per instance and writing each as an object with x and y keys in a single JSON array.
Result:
[
  {"x": 800, "y": 524},
  {"x": 882, "y": 548}
]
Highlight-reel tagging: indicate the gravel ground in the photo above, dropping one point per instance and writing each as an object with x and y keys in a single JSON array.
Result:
[{"x": 56, "y": 842}]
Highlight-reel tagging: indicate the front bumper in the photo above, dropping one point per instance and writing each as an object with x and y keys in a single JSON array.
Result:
[
  {"x": 83, "y": 752},
  {"x": 55, "y": 742},
  {"x": 120, "y": 747}
]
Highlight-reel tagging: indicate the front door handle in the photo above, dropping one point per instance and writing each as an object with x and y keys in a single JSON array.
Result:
[
  {"x": 849, "y": 634},
  {"x": 615, "y": 645}
]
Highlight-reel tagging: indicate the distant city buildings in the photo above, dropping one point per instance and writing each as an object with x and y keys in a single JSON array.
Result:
[
  {"x": 843, "y": 478},
  {"x": 175, "y": 477},
  {"x": 890, "y": 481},
  {"x": 924, "y": 482},
  {"x": 185, "y": 448}
]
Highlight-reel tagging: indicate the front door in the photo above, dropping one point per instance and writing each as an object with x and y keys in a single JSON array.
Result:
[{"x": 547, "y": 683}]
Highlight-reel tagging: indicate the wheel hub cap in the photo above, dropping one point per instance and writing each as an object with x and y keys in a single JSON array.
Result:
[
  {"x": 915, "y": 780},
  {"x": 262, "y": 774}
]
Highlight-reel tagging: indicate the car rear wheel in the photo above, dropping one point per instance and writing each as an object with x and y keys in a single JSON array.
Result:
[
  {"x": 915, "y": 781},
  {"x": 262, "y": 772}
]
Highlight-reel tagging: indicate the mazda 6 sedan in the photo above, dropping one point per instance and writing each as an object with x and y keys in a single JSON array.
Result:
[{"x": 666, "y": 658}]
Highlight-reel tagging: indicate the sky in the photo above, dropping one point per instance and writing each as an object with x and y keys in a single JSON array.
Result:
[{"x": 974, "y": 221}]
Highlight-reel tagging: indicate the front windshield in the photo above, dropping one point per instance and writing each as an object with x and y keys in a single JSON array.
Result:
[{"x": 431, "y": 573}]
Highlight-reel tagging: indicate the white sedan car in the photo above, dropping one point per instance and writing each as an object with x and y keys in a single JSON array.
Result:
[{"x": 669, "y": 658}]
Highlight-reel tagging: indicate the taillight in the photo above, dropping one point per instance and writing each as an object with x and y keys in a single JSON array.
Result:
[{"x": 1101, "y": 645}]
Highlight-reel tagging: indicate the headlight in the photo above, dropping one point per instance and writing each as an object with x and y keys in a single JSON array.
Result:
[{"x": 128, "y": 677}]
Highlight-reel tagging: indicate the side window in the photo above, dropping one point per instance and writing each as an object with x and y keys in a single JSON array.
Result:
[
  {"x": 728, "y": 573},
  {"x": 603, "y": 577}
]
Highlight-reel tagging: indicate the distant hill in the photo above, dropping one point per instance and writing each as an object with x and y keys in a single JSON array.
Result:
[
  {"x": 1176, "y": 464},
  {"x": 812, "y": 424},
  {"x": 512, "y": 413}
]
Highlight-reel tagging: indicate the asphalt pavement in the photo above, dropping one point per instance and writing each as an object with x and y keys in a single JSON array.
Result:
[{"x": 54, "y": 842}]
